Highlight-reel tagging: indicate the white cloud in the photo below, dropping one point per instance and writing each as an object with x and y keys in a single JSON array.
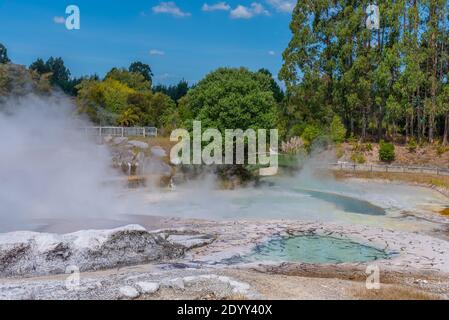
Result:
[
  {"x": 170, "y": 8},
  {"x": 155, "y": 52},
  {"x": 283, "y": 5},
  {"x": 59, "y": 20},
  {"x": 271, "y": 53},
  {"x": 242, "y": 12},
  {"x": 223, "y": 6}
]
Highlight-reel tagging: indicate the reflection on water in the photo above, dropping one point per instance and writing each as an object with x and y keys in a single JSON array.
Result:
[
  {"x": 346, "y": 203},
  {"x": 314, "y": 249}
]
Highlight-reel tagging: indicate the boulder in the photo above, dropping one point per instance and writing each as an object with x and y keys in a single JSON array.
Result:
[
  {"x": 128, "y": 292},
  {"x": 148, "y": 287},
  {"x": 32, "y": 253},
  {"x": 138, "y": 144},
  {"x": 119, "y": 140}
]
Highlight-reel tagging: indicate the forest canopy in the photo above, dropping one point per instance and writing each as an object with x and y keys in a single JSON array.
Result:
[{"x": 383, "y": 82}]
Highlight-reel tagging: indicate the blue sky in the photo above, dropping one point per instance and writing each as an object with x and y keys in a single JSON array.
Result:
[{"x": 178, "y": 39}]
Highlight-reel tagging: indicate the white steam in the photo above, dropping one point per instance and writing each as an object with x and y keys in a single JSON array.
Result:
[{"x": 48, "y": 168}]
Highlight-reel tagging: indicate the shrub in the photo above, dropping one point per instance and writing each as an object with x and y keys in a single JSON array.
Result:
[
  {"x": 368, "y": 147},
  {"x": 296, "y": 130},
  {"x": 337, "y": 130},
  {"x": 358, "y": 158},
  {"x": 412, "y": 145},
  {"x": 310, "y": 134},
  {"x": 442, "y": 149},
  {"x": 293, "y": 146},
  {"x": 386, "y": 151}
]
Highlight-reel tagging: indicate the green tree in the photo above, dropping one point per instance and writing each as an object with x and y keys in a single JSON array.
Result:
[
  {"x": 3, "y": 55},
  {"x": 135, "y": 81},
  {"x": 374, "y": 80},
  {"x": 143, "y": 69},
  {"x": 337, "y": 130},
  {"x": 40, "y": 66},
  {"x": 278, "y": 94},
  {"x": 59, "y": 74},
  {"x": 232, "y": 99},
  {"x": 175, "y": 92}
]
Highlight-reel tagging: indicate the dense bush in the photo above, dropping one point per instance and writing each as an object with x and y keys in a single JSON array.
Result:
[
  {"x": 310, "y": 134},
  {"x": 386, "y": 151},
  {"x": 230, "y": 98}
]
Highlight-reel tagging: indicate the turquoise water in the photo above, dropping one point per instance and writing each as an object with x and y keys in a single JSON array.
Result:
[
  {"x": 345, "y": 203},
  {"x": 315, "y": 249}
]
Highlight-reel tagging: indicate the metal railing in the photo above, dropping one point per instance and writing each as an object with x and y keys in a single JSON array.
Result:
[
  {"x": 121, "y": 131},
  {"x": 346, "y": 166}
]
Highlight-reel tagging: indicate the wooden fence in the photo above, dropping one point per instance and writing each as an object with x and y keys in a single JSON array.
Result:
[{"x": 344, "y": 166}]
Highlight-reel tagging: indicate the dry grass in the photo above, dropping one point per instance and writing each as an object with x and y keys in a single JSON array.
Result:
[
  {"x": 425, "y": 155},
  {"x": 394, "y": 293},
  {"x": 421, "y": 179}
]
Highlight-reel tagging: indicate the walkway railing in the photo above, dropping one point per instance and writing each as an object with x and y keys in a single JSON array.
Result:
[
  {"x": 121, "y": 131},
  {"x": 345, "y": 166}
]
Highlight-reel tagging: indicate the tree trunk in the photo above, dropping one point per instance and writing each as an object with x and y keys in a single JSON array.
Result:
[{"x": 446, "y": 129}]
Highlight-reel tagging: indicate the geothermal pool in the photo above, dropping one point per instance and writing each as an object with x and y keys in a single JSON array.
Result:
[
  {"x": 361, "y": 202},
  {"x": 389, "y": 205},
  {"x": 315, "y": 249}
]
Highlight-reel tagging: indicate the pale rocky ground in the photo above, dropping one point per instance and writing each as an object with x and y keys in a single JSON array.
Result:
[{"x": 418, "y": 270}]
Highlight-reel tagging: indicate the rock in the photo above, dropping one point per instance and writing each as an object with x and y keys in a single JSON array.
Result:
[
  {"x": 128, "y": 292},
  {"x": 148, "y": 287},
  {"x": 107, "y": 139},
  {"x": 190, "y": 241},
  {"x": 158, "y": 152},
  {"x": 119, "y": 140},
  {"x": 138, "y": 144},
  {"x": 32, "y": 253},
  {"x": 176, "y": 283}
]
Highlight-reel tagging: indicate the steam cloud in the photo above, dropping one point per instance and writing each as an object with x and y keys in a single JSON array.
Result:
[{"x": 48, "y": 169}]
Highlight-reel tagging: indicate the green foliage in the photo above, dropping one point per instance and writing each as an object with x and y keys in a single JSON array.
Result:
[
  {"x": 58, "y": 74},
  {"x": 16, "y": 80},
  {"x": 310, "y": 134},
  {"x": 278, "y": 94},
  {"x": 358, "y": 157},
  {"x": 175, "y": 92},
  {"x": 379, "y": 82},
  {"x": 128, "y": 118},
  {"x": 3, "y": 55},
  {"x": 231, "y": 99},
  {"x": 133, "y": 80},
  {"x": 115, "y": 103},
  {"x": 412, "y": 145},
  {"x": 337, "y": 130},
  {"x": 296, "y": 130},
  {"x": 441, "y": 149},
  {"x": 386, "y": 151},
  {"x": 143, "y": 69}
]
